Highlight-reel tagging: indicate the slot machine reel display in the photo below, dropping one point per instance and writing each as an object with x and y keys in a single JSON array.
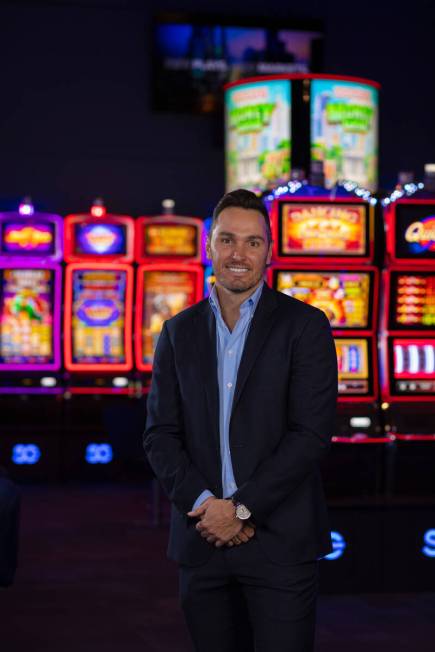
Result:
[
  {"x": 323, "y": 248},
  {"x": 98, "y": 302},
  {"x": 170, "y": 276}
]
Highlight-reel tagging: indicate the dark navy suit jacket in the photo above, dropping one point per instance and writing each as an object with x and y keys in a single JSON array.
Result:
[{"x": 281, "y": 425}]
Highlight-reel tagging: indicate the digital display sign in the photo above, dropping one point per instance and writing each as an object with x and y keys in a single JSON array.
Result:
[
  {"x": 170, "y": 240},
  {"x": 412, "y": 300},
  {"x": 26, "y": 316},
  {"x": 343, "y": 296},
  {"x": 165, "y": 293},
  {"x": 323, "y": 229},
  {"x": 415, "y": 231},
  {"x": 344, "y": 131},
  {"x": 258, "y": 135},
  {"x": 100, "y": 239},
  {"x": 413, "y": 364},
  {"x": 98, "y": 316},
  {"x": 27, "y": 238},
  {"x": 353, "y": 365}
]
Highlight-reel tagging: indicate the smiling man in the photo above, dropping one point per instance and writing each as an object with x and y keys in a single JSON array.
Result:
[{"x": 240, "y": 413}]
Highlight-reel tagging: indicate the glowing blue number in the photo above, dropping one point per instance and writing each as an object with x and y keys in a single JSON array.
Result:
[
  {"x": 25, "y": 454},
  {"x": 99, "y": 453},
  {"x": 338, "y": 544},
  {"x": 429, "y": 538}
]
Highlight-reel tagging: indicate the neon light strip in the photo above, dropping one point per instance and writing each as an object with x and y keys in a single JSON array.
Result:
[
  {"x": 429, "y": 359},
  {"x": 414, "y": 363},
  {"x": 398, "y": 354}
]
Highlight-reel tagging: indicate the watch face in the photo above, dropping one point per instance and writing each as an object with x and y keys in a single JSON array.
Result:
[{"x": 242, "y": 512}]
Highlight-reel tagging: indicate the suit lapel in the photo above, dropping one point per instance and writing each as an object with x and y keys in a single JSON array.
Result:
[
  {"x": 206, "y": 342},
  {"x": 261, "y": 324}
]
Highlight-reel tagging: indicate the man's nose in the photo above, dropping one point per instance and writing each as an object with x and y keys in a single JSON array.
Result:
[{"x": 238, "y": 251}]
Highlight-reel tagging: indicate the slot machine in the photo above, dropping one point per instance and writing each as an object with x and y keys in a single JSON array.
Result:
[
  {"x": 31, "y": 247},
  {"x": 98, "y": 347},
  {"x": 170, "y": 276},
  {"x": 323, "y": 255},
  {"x": 408, "y": 340}
]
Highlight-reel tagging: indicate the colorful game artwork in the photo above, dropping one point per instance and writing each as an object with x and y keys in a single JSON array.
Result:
[
  {"x": 168, "y": 240},
  {"x": 323, "y": 229},
  {"x": 353, "y": 367},
  {"x": 258, "y": 135},
  {"x": 165, "y": 294},
  {"x": 26, "y": 316},
  {"x": 100, "y": 239},
  {"x": 415, "y": 300},
  {"x": 27, "y": 238},
  {"x": 343, "y": 296},
  {"x": 98, "y": 316},
  {"x": 344, "y": 131},
  {"x": 415, "y": 231},
  {"x": 414, "y": 358}
]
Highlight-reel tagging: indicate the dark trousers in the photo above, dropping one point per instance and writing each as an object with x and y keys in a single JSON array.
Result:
[{"x": 240, "y": 601}]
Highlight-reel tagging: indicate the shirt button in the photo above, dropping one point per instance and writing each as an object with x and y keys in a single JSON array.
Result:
[
  {"x": 229, "y": 385},
  {"x": 230, "y": 352}
]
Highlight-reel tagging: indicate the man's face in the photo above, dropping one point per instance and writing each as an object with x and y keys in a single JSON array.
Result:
[{"x": 239, "y": 249}]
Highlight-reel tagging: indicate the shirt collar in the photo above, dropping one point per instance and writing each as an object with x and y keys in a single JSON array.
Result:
[{"x": 251, "y": 302}]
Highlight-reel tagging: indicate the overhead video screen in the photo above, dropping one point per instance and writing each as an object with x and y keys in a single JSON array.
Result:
[
  {"x": 26, "y": 316},
  {"x": 30, "y": 238},
  {"x": 165, "y": 294},
  {"x": 344, "y": 131},
  {"x": 98, "y": 316},
  {"x": 343, "y": 296},
  {"x": 415, "y": 231},
  {"x": 323, "y": 229},
  {"x": 353, "y": 365},
  {"x": 412, "y": 303},
  {"x": 170, "y": 240},
  {"x": 413, "y": 364},
  {"x": 100, "y": 239},
  {"x": 258, "y": 135},
  {"x": 194, "y": 58}
]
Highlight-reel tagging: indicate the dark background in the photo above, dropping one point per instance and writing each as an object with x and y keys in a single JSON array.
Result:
[{"x": 75, "y": 111}]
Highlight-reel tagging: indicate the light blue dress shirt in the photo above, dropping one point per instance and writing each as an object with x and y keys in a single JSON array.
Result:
[{"x": 230, "y": 345}]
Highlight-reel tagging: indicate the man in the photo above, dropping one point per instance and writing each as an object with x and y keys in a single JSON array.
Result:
[{"x": 240, "y": 413}]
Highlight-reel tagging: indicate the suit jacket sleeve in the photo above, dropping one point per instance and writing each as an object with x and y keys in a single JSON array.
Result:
[
  {"x": 164, "y": 434},
  {"x": 311, "y": 407}
]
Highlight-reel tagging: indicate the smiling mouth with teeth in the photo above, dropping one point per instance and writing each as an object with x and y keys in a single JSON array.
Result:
[{"x": 238, "y": 270}]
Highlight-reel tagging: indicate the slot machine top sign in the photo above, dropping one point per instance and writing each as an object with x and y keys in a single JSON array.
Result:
[
  {"x": 168, "y": 238},
  {"x": 99, "y": 236},
  {"x": 31, "y": 235},
  {"x": 411, "y": 231}
]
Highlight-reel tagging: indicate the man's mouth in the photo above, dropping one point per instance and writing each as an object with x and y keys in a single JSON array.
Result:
[{"x": 237, "y": 269}]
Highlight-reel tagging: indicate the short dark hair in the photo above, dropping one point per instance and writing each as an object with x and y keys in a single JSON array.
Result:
[{"x": 242, "y": 198}]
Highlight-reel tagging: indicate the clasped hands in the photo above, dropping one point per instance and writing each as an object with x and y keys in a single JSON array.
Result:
[{"x": 218, "y": 523}]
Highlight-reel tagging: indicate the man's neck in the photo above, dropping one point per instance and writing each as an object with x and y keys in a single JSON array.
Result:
[{"x": 230, "y": 303}]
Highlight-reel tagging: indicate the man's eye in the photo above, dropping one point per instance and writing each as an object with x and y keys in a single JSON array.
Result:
[
  {"x": 225, "y": 240},
  {"x": 254, "y": 243}
]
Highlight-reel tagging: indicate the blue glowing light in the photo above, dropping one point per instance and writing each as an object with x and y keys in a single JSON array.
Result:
[
  {"x": 99, "y": 453},
  {"x": 338, "y": 545},
  {"x": 26, "y": 454},
  {"x": 429, "y": 539}
]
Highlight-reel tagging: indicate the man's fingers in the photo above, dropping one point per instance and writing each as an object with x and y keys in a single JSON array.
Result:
[
  {"x": 198, "y": 511},
  {"x": 248, "y": 531},
  {"x": 211, "y": 539}
]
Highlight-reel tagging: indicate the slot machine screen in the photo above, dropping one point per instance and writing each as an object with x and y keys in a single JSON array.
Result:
[
  {"x": 353, "y": 366},
  {"x": 100, "y": 239},
  {"x": 413, "y": 364},
  {"x": 415, "y": 231},
  {"x": 344, "y": 131},
  {"x": 26, "y": 316},
  {"x": 165, "y": 293},
  {"x": 98, "y": 316},
  {"x": 258, "y": 135},
  {"x": 412, "y": 302},
  {"x": 323, "y": 229},
  {"x": 170, "y": 240},
  {"x": 345, "y": 297},
  {"x": 27, "y": 238}
]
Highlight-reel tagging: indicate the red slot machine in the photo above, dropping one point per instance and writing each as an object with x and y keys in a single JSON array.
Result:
[
  {"x": 170, "y": 275},
  {"x": 323, "y": 255},
  {"x": 408, "y": 319},
  {"x": 98, "y": 346}
]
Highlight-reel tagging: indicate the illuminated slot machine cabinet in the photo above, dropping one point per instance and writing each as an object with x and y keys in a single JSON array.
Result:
[
  {"x": 323, "y": 253},
  {"x": 408, "y": 341},
  {"x": 98, "y": 347},
  {"x": 209, "y": 278},
  {"x": 31, "y": 247},
  {"x": 170, "y": 277}
]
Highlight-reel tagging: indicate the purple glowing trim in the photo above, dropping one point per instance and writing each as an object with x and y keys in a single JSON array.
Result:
[
  {"x": 57, "y": 296},
  {"x": 14, "y": 216},
  {"x": 31, "y": 390}
]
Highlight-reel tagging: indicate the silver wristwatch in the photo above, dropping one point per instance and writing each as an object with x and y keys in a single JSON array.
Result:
[{"x": 242, "y": 512}]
